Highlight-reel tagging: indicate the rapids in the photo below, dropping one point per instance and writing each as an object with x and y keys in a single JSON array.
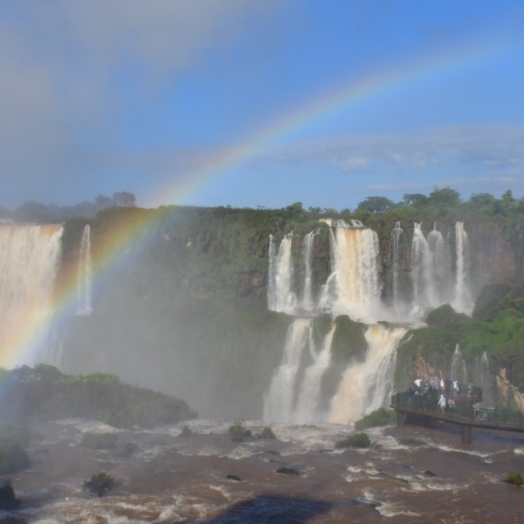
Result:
[{"x": 409, "y": 475}]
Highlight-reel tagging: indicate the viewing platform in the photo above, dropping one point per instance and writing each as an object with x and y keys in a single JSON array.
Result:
[{"x": 464, "y": 413}]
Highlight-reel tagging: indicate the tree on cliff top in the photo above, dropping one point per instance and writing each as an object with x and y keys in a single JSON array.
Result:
[{"x": 376, "y": 204}]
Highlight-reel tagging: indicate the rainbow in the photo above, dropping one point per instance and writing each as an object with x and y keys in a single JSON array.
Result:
[{"x": 330, "y": 103}]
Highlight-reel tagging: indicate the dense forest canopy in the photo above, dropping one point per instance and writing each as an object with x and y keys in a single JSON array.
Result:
[{"x": 441, "y": 204}]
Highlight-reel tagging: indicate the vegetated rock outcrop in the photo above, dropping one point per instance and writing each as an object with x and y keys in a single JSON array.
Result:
[{"x": 44, "y": 393}]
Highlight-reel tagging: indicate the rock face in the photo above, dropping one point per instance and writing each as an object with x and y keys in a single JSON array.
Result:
[
  {"x": 508, "y": 391},
  {"x": 183, "y": 308}
]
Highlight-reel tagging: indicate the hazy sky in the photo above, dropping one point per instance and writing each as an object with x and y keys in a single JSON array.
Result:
[{"x": 259, "y": 102}]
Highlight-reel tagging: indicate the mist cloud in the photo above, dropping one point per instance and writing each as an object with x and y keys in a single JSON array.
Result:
[{"x": 58, "y": 60}]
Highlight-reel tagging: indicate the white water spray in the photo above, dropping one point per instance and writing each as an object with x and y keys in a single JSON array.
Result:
[
  {"x": 83, "y": 302},
  {"x": 307, "y": 410},
  {"x": 307, "y": 302},
  {"x": 279, "y": 401},
  {"x": 463, "y": 303},
  {"x": 29, "y": 256},
  {"x": 282, "y": 297},
  {"x": 395, "y": 259},
  {"x": 356, "y": 268},
  {"x": 367, "y": 386},
  {"x": 459, "y": 370}
]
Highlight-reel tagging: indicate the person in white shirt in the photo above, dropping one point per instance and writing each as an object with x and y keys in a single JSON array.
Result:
[{"x": 442, "y": 403}]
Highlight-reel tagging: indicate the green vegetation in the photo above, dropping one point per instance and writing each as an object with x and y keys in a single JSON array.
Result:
[
  {"x": 357, "y": 440},
  {"x": 267, "y": 433},
  {"x": 99, "y": 484},
  {"x": 348, "y": 340},
  {"x": 99, "y": 440},
  {"x": 515, "y": 479},
  {"x": 8, "y": 501},
  {"x": 238, "y": 432},
  {"x": 501, "y": 338},
  {"x": 379, "y": 417},
  {"x": 444, "y": 315},
  {"x": 44, "y": 393}
]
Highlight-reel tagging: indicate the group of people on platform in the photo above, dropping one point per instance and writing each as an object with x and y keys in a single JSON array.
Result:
[{"x": 437, "y": 390}]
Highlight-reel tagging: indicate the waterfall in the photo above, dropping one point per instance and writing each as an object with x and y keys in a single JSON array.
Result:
[
  {"x": 441, "y": 267},
  {"x": 271, "y": 284},
  {"x": 279, "y": 401},
  {"x": 29, "y": 257},
  {"x": 424, "y": 289},
  {"x": 83, "y": 300},
  {"x": 280, "y": 294},
  {"x": 366, "y": 386},
  {"x": 459, "y": 369},
  {"x": 357, "y": 268},
  {"x": 395, "y": 239},
  {"x": 307, "y": 253},
  {"x": 309, "y": 394},
  {"x": 482, "y": 377},
  {"x": 463, "y": 303}
]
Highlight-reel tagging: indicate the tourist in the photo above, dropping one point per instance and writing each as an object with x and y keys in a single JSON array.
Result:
[
  {"x": 418, "y": 381},
  {"x": 448, "y": 387},
  {"x": 456, "y": 387},
  {"x": 442, "y": 403},
  {"x": 470, "y": 389},
  {"x": 442, "y": 385},
  {"x": 476, "y": 410}
]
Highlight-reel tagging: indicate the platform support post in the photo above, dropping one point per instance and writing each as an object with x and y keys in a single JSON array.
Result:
[
  {"x": 401, "y": 419},
  {"x": 466, "y": 434}
]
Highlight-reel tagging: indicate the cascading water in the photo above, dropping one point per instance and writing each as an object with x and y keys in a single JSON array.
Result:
[
  {"x": 441, "y": 266},
  {"x": 307, "y": 410},
  {"x": 424, "y": 289},
  {"x": 431, "y": 270},
  {"x": 281, "y": 297},
  {"x": 463, "y": 302},
  {"x": 279, "y": 401},
  {"x": 307, "y": 302},
  {"x": 29, "y": 256},
  {"x": 459, "y": 369},
  {"x": 482, "y": 378},
  {"x": 395, "y": 256},
  {"x": 83, "y": 302},
  {"x": 356, "y": 268},
  {"x": 271, "y": 283},
  {"x": 367, "y": 386},
  {"x": 353, "y": 288}
]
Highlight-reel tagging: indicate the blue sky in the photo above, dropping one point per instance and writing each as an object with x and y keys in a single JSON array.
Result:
[{"x": 152, "y": 97}]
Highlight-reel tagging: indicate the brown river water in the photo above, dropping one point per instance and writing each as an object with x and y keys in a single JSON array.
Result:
[{"x": 409, "y": 475}]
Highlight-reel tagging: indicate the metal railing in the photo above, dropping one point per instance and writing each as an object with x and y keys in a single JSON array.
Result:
[{"x": 459, "y": 412}]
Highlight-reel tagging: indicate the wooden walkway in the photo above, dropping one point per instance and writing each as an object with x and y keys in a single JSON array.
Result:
[{"x": 415, "y": 408}]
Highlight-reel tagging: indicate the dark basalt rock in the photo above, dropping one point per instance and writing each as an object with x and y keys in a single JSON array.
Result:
[
  {"x": 429, "y": 473},
  {"x": 8, "y": 501},
  {"x": 289, "y": 471},
  {"x": 233, "y": 477}
]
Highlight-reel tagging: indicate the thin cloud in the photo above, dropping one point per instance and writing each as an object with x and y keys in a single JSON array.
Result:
[{"x": 491, "y": 146}]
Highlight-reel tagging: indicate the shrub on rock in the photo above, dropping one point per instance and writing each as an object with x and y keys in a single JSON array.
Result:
[
  {"x": 267, "y": 433},
  {"x": 515, "y": 479},
  {"x": 357, "y": 440},
  {"x": 99, "y": 484}
]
